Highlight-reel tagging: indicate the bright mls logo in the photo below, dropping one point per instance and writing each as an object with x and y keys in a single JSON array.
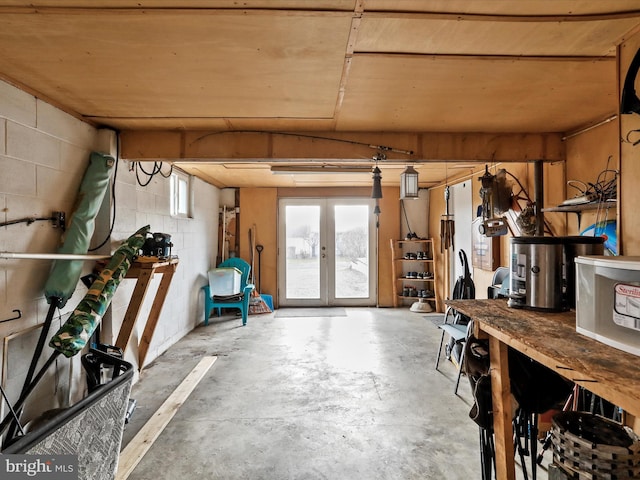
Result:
[{"x": 50, "y": 467}]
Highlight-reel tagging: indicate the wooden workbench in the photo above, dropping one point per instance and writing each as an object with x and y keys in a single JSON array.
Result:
[
  {"x": 552, "y": 340},
  {"x": 143, "y": 270}
]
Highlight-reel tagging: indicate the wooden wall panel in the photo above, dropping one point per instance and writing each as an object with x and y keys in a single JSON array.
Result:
[
  {"x": 390, "y": 221},
  {"x": 587, "y": 156},
  {"x": 259, "y": 208}
]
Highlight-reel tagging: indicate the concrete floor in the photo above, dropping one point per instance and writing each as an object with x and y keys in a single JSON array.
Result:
[{"x": 353, "y": 397}]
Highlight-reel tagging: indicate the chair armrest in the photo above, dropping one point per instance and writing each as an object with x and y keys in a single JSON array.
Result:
[
  {"x": 248, "y": 288},
  {"x": 207, "y": 290}
]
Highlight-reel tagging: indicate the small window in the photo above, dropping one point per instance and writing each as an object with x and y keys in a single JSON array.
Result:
[{"x": 180, "y": 194}]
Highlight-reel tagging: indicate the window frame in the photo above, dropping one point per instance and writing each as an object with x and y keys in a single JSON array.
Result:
[{"x": 181, "y": 206}]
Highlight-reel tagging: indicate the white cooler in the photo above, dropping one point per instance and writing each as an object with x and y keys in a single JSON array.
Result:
[
  {"x": 225, "y": 281},
  {"x": 608, "y": 300}
]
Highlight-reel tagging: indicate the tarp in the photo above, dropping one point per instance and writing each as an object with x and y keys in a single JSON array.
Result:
[
  {"x": 65, "y": 274},
  {"x": 77, "y": 330}
]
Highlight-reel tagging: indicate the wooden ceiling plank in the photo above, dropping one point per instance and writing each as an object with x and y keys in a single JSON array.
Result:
[
  {"x": 409, "y": 34},
  {"x": 295, "y": 65},
  {"x": 502, "y": 17},
  {"x": 500, "y": 7},
  {"x": 344, "y": 5},
  {"x": 460, "y": 94},
  {"x": 351, "y": 43}
]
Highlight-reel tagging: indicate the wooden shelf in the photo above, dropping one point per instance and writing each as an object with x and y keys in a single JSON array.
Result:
[
  {"x": 399, "y": 264},
  {"x": 413, "y": 260},
  {"x": 580, "y": 208},
  {"x": 424, "y": 240},
  {"x": 585, "y": 207},
  {"x": 418, "y": 298}
]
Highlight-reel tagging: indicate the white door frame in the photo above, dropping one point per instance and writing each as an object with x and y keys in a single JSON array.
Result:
[{"x": 327, "y": 253}]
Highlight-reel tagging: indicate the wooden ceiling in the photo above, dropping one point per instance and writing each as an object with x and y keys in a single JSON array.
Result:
[{"x": 333, "y": 66}]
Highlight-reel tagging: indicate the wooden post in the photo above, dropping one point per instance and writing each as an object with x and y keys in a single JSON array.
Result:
[
  {"x": 501, "y": 397},
  {"x": 152, "y": 321},
  {"x": 133, "y": 310}
]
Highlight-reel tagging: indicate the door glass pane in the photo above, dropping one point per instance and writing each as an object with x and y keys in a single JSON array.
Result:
[
  {"x": 302, "y": 251},
  {"x": 351, "y": 251}
]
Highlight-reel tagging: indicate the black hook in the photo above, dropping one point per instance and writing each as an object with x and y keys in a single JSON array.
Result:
[{"x": 14, "y": 318}]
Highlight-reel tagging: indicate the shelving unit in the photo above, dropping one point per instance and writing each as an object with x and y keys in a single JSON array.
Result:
[
  {"x": 584, "y": 207},
  {"x": 414, "y": 273}
]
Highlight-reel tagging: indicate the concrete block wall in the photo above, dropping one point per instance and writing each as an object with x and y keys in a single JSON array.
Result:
[
  {"x": 43, "y": 156},
  {"x": 194, "y": 242}
]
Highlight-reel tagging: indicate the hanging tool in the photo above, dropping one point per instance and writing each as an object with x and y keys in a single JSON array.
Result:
[
  {"x": 491, "y": 225},
  {"x": 447, "y": 225},
  {"x": 259, "y": 249},
  {"x": 256, "y": 303}
]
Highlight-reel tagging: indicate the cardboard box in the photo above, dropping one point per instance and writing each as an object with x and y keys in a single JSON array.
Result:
[{"x": 225, "y": 281}]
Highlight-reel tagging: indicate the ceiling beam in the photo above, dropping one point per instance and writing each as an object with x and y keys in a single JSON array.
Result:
[{"x": 258, "y": 146}]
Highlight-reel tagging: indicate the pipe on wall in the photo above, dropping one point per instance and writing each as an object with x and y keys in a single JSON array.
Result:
[
  {"x": 52, "y": 256},
  {"x": 538, "y": 191}
]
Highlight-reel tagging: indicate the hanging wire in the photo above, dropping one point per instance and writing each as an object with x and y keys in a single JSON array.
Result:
[
  {"x": 627, "y": 138},
  {"x": 157, "y": 169}
]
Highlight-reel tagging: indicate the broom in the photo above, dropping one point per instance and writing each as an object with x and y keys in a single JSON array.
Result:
[{"x": 257, "y": 305}]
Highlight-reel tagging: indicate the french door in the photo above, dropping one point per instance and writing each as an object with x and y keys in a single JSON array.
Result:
[{"x": 326, "y": 252}]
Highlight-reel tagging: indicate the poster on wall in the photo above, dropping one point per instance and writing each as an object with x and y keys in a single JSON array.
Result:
[{"x": 485, "y": 251}]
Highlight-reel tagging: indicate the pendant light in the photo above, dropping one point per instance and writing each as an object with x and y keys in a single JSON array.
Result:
[{"x": 409, "y": 183}]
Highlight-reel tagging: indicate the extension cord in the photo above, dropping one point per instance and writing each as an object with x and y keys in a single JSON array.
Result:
[{"x": 582, "y": 199}]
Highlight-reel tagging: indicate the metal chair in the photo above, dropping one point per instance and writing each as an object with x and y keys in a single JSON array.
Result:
[
  {"x": 241, "y": 301},
  {"x": 458, "y": 332}
]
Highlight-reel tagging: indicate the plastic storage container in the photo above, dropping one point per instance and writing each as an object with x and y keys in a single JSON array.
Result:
[
  {"x": 608, "y": 300},
  {"x": 225, "y": 281}
]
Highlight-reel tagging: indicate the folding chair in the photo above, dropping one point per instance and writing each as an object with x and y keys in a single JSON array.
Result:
[{"x": 458, "y": 332}]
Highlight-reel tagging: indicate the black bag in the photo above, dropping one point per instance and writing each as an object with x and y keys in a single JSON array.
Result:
[
  {"x": 476, "y": 366},
  {"x": 463, "y": 289},
  {"x": 535, "y": 387}
]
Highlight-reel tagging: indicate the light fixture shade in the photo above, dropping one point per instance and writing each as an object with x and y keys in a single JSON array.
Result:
[
  {"x": 409, "y": 183},
  {"x": 376, "y": 191}
]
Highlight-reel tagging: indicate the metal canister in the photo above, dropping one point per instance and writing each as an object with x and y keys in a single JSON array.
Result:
[{"x": 536, "y": 273}]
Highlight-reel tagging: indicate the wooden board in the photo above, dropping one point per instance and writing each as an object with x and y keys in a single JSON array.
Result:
[
  {"x": 500, "y": 7},
  {"x": 477, "y": 35},
  {"x": 180, "y": 63},
  {"x": 536, "y": 94},
  {"x": 143, "y": 441}
]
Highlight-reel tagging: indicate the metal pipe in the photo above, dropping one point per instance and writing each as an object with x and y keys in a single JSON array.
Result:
[
  {"x": 52, "y": 256},
  {"x": 538, "y": 192}
]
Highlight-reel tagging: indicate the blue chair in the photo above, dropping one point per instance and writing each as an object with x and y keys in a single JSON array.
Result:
[{"x": 210, "y": 302}]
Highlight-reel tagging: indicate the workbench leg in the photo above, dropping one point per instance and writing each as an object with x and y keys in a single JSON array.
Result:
[
  {"x": 154, "y": 315},
  {"x": 501, "y": 397},
  {"x": 133, "y": 310}
]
